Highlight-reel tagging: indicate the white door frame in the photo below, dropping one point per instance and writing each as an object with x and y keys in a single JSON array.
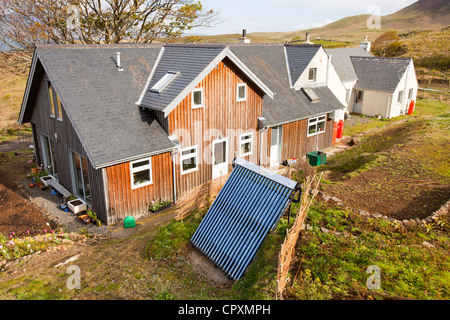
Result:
[{"x": 222, "y": 168}]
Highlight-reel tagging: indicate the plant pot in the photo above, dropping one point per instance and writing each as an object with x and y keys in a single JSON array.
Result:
[
  {"x": 34, "y": 171},
  {"x": 161, "y": 208},
  {"x": 45, "y": 179},
  {"x": 77, "y": 206},
  {"x": 84, "y": 218},
  {"x": 98, "y": 223}
]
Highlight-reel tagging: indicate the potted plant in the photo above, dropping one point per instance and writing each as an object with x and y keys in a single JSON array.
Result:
[
  {"x": 34, "y": 170},
  {"x": 159, "y": 205},
  {"x": 93, "y": 217}
]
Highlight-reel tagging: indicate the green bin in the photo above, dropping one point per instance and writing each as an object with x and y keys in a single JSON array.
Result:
[
  {"x": 316, "y": 158},
  {"x": 129, "y": 222}
]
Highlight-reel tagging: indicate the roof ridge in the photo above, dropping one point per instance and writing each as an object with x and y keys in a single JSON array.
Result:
[{"x": 96, "y": 46}]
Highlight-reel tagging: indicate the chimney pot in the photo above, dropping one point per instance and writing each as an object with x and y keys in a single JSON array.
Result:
[{"x": 119, "y": 65}]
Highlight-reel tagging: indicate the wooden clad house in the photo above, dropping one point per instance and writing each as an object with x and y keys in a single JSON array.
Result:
[{"x": 123, "y": 125}]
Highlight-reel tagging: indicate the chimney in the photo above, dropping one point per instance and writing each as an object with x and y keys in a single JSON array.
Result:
[
  {"x": 244, "y": 38},
  {"x": 308, "y": 38},
  {"x": 119, "y": 66},
  {"x": 365, "y": 44}
]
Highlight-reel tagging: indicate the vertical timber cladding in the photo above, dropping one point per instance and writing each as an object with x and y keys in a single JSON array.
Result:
[
  {"x": 125, "y": 201},
  {"x": 296, "y": 143},
  {"x": 222, "y": 115},
  {"x": 64, "y": 138}
]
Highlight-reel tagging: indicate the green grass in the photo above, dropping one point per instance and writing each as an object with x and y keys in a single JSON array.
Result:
[{"x": 408, "y": 269}]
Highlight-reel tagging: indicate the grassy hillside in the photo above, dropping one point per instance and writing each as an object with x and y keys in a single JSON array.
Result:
[
  {"x": 11, "y": 93},
  {"x": 421, "y": 15}
]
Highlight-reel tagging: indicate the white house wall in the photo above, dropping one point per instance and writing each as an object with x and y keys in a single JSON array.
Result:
[
  {"x": 375, "y": 103},
  {"x": 320, "y": 62},
  {"x": 408, "y": 81}
]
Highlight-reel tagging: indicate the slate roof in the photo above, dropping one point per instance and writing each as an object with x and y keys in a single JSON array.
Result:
[
  {"x": 268, "y": 62},
  {"x": 379, "y": 74},
  {"x": 101, "y": 101},
  {"x": 340, "y": 59},
  {"x": 189, "y": 60},
  {"x": 299, "y": 57}
]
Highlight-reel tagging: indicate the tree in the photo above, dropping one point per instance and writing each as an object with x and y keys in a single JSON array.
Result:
[
  {"x": 388, "y": 45},
  {"x": 25, "y": 23}
]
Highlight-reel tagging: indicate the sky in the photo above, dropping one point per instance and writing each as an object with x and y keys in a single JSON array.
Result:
[{"x": 290, "y": 15}]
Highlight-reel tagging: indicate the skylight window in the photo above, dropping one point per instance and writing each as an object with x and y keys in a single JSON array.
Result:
[
  {"x": 312, "y": 96},
  {"x": 164, "y": 82}
]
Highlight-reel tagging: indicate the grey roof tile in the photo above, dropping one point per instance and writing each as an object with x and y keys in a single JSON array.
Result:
[
  {"x": 340, "y": 59},
  {"x": 269, "y": 63},
  {"x": 299, "y": 56},
  {"x": 379, "y": 74},
  {"x": 100, "y": 100}
]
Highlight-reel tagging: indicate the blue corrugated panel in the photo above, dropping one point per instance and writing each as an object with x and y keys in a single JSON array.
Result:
[{"x": 247, "y": 208}]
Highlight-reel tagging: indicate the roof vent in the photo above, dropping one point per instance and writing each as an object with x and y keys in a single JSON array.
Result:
[{"x": 119, "y": 66}]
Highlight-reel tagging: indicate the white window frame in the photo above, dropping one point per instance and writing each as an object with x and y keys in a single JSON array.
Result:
[
  {"x": 196, "y": 106},
  {"x": 139, "y": 169},
  {"x": 188, "y": 156},
  {"x": 315, "y": 121},
  {"x": 314, "y": 76},
  {"x": 243, "y": 142},
  {"x": 410, "y": 93},
  {"x": 237, "y": 92}
]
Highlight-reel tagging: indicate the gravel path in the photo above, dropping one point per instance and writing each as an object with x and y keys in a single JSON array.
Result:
[{"x": 49, "y": 206}]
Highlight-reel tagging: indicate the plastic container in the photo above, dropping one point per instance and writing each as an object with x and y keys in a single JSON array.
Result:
[
  {"x": 129, "y": 222},
  {"x": 316, "y": 158}
]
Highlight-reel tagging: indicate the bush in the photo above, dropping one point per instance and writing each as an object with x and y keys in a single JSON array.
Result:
[{"x": 437, "y": 61}]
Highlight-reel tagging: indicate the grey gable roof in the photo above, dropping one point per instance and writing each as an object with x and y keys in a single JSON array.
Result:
[
  {"x": 340, "y": 59},
  {"x": 299, "y": 57},
  {"x": 189, "y": 61},
  {"x": 269, "y": 63},
  {"x": 100, "y": 100},
  {"x": 379, "y": 74}
]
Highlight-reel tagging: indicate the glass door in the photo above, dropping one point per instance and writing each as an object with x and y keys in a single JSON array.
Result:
[
  {"x": 80, "y": 177},
  {"x": 48, "y": 155}
]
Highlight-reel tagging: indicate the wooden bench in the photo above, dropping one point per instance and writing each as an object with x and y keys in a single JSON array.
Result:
[{"x": 55, "y": 185}]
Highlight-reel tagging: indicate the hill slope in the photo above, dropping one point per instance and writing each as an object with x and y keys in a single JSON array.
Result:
[{"x": 421, "y": 15}]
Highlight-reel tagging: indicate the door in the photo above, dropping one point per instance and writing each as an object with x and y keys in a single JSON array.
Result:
[
  {"x": 80, "y": 177},
  {"x": 220, "y": 158},
  {"x": 358, "y": 103},
  {"x": 48, "y": 155},
  {"x": 275, "y": 145}
]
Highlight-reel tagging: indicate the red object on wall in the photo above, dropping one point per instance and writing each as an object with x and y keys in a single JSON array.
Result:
[
  {"x": 411, "y": 107},
  {"x": 335, "y": 130},
  {"x": 340, "y": 130}
]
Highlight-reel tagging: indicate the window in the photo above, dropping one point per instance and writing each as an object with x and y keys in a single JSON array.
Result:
[
  {"x": 311, "y": 95},
  {"x": 316, "y": 125},
  {"x": 359, "y": 96},
  {"x": 312, "y": 74},
  {"x": 197, "y": 98},
  {"x": 347, "y": 95},
  {"x": 246, "y": 144},
  {"x": 164, "y": 82},
  {"x": 189, "y": 160},
  {"x": 410, "y": 94},
  {"x": 400, "y": 97},
  {"x": 242, "y": 92},
  {"x": 141, "y": 173},
  {"x": 55, "y": 103}
]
